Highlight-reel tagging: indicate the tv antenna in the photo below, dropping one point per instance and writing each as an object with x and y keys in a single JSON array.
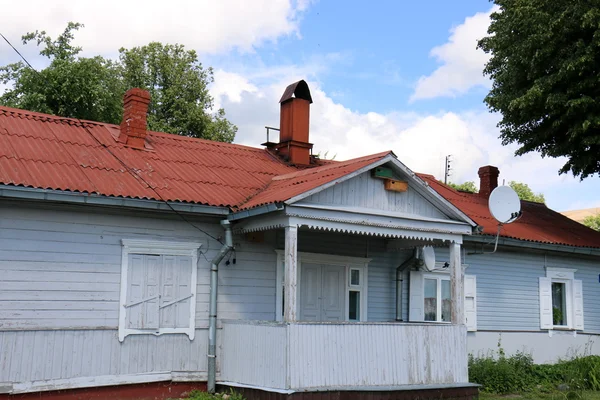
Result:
[
  {"x": 447, "y": 168},
  {"x": 505, "y": 207}
]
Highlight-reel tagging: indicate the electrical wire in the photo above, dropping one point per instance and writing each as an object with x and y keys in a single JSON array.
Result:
[{"x": 127, "y": 167}]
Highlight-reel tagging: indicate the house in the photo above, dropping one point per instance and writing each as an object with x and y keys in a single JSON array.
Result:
[{"x": 142, "y": 262}]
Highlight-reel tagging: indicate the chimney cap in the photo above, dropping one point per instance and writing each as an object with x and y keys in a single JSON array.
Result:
[{"x": 298, "y": 90}]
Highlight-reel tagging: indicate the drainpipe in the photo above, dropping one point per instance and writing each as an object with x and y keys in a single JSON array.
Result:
[
  {"x": 399, "y": 271},
  {"x": 212, "y": 313}
]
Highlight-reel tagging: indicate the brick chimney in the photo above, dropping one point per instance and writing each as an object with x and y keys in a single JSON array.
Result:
[
  {"x": 488, "y": 180},
  {"x": 294, "y": 122},
  {"x": 134, "y": 126}
]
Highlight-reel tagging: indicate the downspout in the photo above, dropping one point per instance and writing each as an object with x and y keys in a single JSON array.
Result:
[
  {"x": 399, "y": 271},
  {"x": 212, "y": 313}
]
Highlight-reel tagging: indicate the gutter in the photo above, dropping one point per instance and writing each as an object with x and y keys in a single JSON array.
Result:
[
  {"x": 252, "y": 212},
  {"x": 212, "y": 309},
  {"x": 534, "y": 245},
  {"x": 19, "y": 192}
]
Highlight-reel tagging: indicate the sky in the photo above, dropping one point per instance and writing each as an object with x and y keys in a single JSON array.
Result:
[{"x": 384, "y": 75}]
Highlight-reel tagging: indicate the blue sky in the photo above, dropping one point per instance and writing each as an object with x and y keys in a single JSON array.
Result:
[{"x": 386, "y": 75}]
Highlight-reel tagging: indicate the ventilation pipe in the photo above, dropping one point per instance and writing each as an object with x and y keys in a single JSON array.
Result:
[
  {"x": 412, "y": 261},
  {"x": 212, "y": 317}
]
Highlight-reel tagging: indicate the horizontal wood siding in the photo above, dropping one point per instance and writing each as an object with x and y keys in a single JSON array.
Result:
[
  {"x": 254, "y": 354},
  {"x": 330, "y": 355},
  {"x": 60, "y": 267},
  {"x": 363, "y": 191},
  {"x": 508, "y": 288},
  {"x": 30, "y": 356}
]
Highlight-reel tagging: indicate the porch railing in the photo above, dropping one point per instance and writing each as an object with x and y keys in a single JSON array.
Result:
[{"x": 299, "y": 356}]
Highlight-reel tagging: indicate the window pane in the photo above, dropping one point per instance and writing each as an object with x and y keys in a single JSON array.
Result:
[
  {"x": 446, "y": 301},
  {"x": 354, "y": 306},
  {"x": 354, "y": 277},
  {"x": 559, "y": 315},
  {"x": 430, "y": 299}
]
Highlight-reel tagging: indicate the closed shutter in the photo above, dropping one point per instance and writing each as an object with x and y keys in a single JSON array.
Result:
[
  {"x": 471, "y": 302},
  {"x": 416, "y": 298},
  {"x": 143, "y": 291},
  {"x": 578, "y": 304},
  {"x": 546, "y": 321},
  {"x": 176, "y": 292}
]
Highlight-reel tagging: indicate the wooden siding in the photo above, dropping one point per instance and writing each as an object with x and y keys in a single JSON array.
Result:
[
  {"x": 259, "y": 359},
  {"x": 31, "y": 356},
  {"x": 363, "y": 191},
  {"x": 508, "y": 289},
  {"x": 60, "y": 267},
  {"x": 345, "y": 355}
]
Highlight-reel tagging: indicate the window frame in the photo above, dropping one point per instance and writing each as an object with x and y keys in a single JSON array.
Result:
[
  {"x": 565, "y": 276},
  {"x": 439, "y": 277},
  {"x": 162, "y": 248},
  {"x": 349, "y": 263}
]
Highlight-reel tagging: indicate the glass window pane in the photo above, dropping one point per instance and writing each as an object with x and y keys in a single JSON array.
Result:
[
  {"x": 446, "y": 301},
  {"x": 354, "y": 306},
  {"x": 559, "y": 307},
  {"x": 355, "y": 277},
  {"x": 430, "y": 288}
]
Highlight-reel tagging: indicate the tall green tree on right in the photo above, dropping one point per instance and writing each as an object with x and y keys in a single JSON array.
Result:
[{"x": 545, "y": 69}]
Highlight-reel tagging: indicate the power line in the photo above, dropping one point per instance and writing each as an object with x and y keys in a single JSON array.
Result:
[
  {"x": 127, "y": 168},
  {"x": 21, "y": 55}
]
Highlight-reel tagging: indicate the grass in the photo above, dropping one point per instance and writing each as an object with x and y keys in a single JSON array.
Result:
[
  {"x": 200, "y": 395},
  {"x": 567, "y": 395}
]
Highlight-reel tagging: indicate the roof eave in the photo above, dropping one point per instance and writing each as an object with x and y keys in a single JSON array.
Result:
[
  {"x": 503, "y": 241},
  {"x": 28, "y": 193}
]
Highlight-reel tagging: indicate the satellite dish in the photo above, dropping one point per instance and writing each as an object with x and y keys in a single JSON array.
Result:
[
  {"x": 504, "y": 204},
  {"x": 428, "y": 258}
]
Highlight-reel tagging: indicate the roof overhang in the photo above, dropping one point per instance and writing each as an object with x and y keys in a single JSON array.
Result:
[
  {"x": 510, "y": 242},
  {"x": 26, "y": 193}
]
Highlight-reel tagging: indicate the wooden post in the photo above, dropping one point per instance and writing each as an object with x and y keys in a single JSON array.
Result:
[
  {"x": 291, "y": 273},
  {"x": 457, "y": 286}
]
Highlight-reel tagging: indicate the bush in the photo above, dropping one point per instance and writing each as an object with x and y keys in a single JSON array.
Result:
[{"x": 518, "y": 373}]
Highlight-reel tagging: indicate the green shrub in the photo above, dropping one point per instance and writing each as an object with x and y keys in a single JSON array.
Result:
[{"x": 518, "y": 374}]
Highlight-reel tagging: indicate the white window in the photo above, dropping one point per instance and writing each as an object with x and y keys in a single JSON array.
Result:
[
  {"x": 354, "y": 296},
  {"x": 430, "y": 298},
  {"x": 561, "y": 300},
  {"x": 158, "y": 288}
]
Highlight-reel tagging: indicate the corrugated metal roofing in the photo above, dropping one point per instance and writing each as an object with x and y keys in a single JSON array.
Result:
[
  {"x": 538, "y": 223},
  {"x": 47, "y": 152}
]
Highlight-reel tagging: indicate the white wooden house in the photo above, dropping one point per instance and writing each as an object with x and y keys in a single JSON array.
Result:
[{"x": 128, "y": 259}]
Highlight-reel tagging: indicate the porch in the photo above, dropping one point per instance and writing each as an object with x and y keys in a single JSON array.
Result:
[{"x": 315, "y": 356}]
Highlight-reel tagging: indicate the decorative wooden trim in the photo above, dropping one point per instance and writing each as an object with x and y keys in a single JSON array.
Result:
[
  {"x": 139, "y": 246},
  {"x": 560, "y": 273}
]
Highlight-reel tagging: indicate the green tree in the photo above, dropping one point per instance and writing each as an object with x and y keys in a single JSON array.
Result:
[
  {"x": 544, "y": 67},
  {"x": 92, "y": 88},
  {"x": 465, "y": 187},
  {"x": 592, "y": 221},
  {"x": 525, "y": 193}
]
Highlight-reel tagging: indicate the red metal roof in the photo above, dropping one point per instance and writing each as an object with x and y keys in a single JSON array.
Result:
[
  {"x": 538, "y": 223},
  {"x": 48, "y": 152}
]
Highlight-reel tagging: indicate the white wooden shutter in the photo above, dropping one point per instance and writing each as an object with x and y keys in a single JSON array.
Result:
[
  {"x": 471, "y": 302},
  {"x": 546, "y": 320},
  {"x": 143, "y": 291},
  {"x": 578, "y": 304},
  {"x": 416, "y": 303},
  {"x": 176, "y": 292}
]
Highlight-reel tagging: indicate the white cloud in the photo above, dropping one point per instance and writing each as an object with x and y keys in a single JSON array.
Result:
[
  {"x": 462, "y": 63},
  {"x": 420, "y": 141},
  {"x": 207, "y": 26}
]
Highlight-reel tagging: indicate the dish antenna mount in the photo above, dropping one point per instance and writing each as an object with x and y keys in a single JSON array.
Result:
[{"x": 505, "y": 207}]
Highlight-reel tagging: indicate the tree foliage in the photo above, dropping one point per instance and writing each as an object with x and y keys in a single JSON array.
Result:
[
  {"x": 525, "y": 193},
  {"x": 523, "y": 190},
  {"x": 544, "y": 67},
  {"x": 465, "y": 187},
  {"x": 92, "y": 88},
  {"x": 592, "y": 221}
]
